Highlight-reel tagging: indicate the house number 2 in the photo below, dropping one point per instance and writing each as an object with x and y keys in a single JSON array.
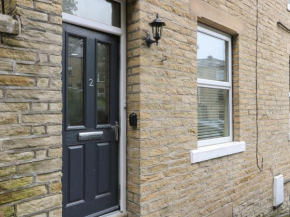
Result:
[{"x": 91, "y": 82}]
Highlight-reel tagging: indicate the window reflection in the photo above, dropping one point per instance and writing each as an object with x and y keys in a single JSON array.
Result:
[
  {"x": 103, "y": 71},
  {"x": 212, "y": 58},
  {"x": 103, "y": 11},
  {"x": 75, "y": 81}
]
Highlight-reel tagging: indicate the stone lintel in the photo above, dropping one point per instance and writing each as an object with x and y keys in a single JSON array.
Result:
[{"x": 216, "y": 18}]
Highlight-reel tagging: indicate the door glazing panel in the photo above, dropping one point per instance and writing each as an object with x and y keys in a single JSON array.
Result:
[
  {"x": 75, "y": 81},
  {"x": 103, "y": 73}
]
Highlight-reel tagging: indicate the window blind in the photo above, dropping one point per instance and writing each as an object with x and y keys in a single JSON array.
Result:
[{"x": 212, "y": 113}]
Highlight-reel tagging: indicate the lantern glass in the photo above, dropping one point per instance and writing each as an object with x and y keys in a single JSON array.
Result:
[
  {"x": 161, "y": 29},
  {"x": 157, "y": 32}
]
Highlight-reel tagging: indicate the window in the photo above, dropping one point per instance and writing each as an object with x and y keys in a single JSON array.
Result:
[
  {"x": 101, "y": 77},
  {"x": 101, "y": 92},
  {"x": 214, "y": 83},
  {"x": 70, "y": 72},
  {"x": 104, "y": 11},
  {"x": 288, "y": 5}
]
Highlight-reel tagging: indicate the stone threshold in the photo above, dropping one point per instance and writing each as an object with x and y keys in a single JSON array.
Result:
[{"x": 116, "y": 214}]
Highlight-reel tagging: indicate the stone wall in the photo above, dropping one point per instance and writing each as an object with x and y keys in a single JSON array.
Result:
[
  {"x": 30, "y": 112},
  {"x": 161, "y": 179},
  {"x": 133, "y": 105}
]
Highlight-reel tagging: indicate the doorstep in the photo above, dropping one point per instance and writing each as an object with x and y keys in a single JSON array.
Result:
[{"x": 116, "y": 214}]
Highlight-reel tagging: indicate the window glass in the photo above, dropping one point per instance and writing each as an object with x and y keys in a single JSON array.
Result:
[
  {"x": 212, "y": 59},
  {"x": 103, "y": 11},
  {"x": 103, "y": 72},
  {"x": 75, "y": 81},
  {"x": 212, "y": 113},
  {"x": 101, "y": 76}
]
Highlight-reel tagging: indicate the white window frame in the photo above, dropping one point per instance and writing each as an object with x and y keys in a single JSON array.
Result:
[
  {"x": 68, "y": 18},
  {"x": 219, "y": 84}
]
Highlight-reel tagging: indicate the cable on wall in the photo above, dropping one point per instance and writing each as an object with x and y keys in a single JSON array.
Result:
[
  {"x": 3, "y": 6},
  {"x": 257, "y": 105}
]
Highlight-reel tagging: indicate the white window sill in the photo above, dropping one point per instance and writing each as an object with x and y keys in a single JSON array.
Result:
[{"x": 215, "y": 151}]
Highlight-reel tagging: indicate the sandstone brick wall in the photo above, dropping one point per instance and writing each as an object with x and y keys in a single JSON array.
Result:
[
  {"x": 30, "y": 112},
  {"x": 161, "y": 180},
  {"x": 133, "y": 105}
]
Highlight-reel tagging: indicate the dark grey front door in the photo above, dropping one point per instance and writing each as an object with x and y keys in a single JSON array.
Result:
[{"x": 90, "y": 126}]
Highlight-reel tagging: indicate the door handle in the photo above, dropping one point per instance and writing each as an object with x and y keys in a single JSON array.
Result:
[{"x": 116, "y": 129}]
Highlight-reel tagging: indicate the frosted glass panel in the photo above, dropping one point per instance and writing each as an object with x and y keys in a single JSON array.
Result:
[{"x": 103, "y": 11}]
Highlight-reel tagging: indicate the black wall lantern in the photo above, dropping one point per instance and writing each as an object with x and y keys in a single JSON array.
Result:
[{"x": 157, "y": 27}]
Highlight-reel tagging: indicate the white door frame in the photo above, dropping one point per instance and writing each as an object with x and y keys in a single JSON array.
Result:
[{"x": 68, "y": 18}]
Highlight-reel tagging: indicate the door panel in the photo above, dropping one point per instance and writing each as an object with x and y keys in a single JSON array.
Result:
[
  {"x": 90, "y": 96},
  {"x": 76, "y": 173},
  {"x": 103, "y": 163}
]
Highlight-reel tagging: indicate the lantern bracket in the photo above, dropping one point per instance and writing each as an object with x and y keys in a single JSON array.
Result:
[{"x": 149, "y": 41}]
